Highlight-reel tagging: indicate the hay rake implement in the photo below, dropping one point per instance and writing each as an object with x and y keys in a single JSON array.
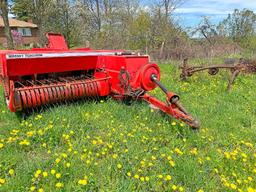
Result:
[
  {"x": 56, "y": 74},
  {"x": 242, "y": 66}
]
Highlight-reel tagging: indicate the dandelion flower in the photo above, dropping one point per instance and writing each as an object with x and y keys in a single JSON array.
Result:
[
  {"x": 173, "y": 123},
  {"x": 37, "y": 174},
  {"x": 82, "y": 182},
  {"x": 129, "y": 174},
  {"x": 178, "y": 151},
  {"x": 32, "y": 188},
  {"x": 53, "y": 171},
  {"x": 2, "y": 181},
  {"x": 174, "y": 187},
  {"x": 168, "y": 177},
  {"x": 250, "y": 189},
  {"x": 59, "y": 185},
  {"x": 25, "y": 142},
  {"x": 172, "y": 163},
  {"x": 1, "y": 145},
  {"x": 58, "y": 175},
  {"x": 11, "y": 172},
  {"x": 194, "y": 151},
  {"x": 119, "y": 166},
  {"x": 233, "y": 186},
  {"x": 45, "y": 174},
  {"x": 41, "y": 190},
  {"x": 57, "y": 160}
]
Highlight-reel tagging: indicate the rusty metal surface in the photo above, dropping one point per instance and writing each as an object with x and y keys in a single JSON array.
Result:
[{"x": 234, "y": 66}]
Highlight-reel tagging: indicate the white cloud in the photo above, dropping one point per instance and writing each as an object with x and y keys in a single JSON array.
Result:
[
  {"x": 205, "y": 10},
  {"x": 218, "y": 7},
  {"x": 191, "y": 11}
]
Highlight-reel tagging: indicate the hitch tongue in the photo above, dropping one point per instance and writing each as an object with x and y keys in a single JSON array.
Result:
[
  {"x": 173, "y": 107},
  {"x": 171, "y": 97}
]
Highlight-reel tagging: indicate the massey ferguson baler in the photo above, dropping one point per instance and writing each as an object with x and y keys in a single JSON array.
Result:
[{"x": 55, "y": 74}]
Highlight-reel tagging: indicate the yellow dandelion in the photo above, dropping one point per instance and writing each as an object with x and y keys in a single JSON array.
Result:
[
  {"x": 44, "y": 145},
  {"x": 233, "y": 186},
  {"x": 53, "y": 172},
  {"x": 136, "y": 176},
  {"x": 2, "y": 181},
  {"x": 82, "y": 182},
  {"x": 172, "y": 163},
  {"x": 142, "y": 178},
  {"x": 174, "y": 187},
  {"x": 32, "y": 188},
  {"x": 57, "y": 160},
  {"x": 181, "y": 189},
  {"x": 68, "y": 165},
  {"x": 173, "y": 123},
  {"x": 168, "y": 177},
  {"x": 250, "y": 189},
  {"x": 147, "y": 178},
  {"x": 114, "y": 156},
  {"x": 178, "y": 151},
  {"x": 200, "y": 190},
  {"x": 129, "y": 174},
  {"x": 1, "y": 145},
  {"x": 37, "y": 174},
  {"x": 11, "y": 171},
  {"x": 160, "y": 176},
  {"x": 45, "y": 174},
  {"x": 41, "y": 190},
  {"x": 59, "y": 185},
  {"x": 24, "y": 142},
  {"x": 194, "y": 151},
  {"x": 119, "y": 166},
  {"x": 58, "y": 175},
  {"x": 30, "y": 133}
]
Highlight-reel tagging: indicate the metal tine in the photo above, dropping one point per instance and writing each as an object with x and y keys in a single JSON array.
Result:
[
  {"x": 39, "y": 82},
  {"x": 70, "y": 79},
  {"x": 54, "y": 81},
  {"x": 63, "y": 79},
  {"x": 48, "y": 81},
  {"x": 18, "y": 82},
  {"x": 30, "y": 82},
  {"x": 96, "y": 87}
]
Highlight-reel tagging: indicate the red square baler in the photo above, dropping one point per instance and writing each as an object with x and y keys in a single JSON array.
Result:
[{"x": 55, "y": 74}]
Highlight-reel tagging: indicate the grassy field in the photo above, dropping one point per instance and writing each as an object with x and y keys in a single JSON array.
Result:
[{"x": 109, "y": 146}]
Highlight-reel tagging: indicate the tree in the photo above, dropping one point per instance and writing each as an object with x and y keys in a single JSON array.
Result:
[
  {"x": 40, "y": 12},
  {"x": 4, "y": 14},
  {"x": 239, "y": 24},
  {"x": 206, "y": 30}
]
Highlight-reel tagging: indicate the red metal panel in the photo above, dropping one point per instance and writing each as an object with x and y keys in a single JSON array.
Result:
[
  {"x": 56, "y": 41},
  {"x": 20, "y": 67}
]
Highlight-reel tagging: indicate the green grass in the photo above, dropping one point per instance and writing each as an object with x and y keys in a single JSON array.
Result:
[{"x": 114, "y": 147}]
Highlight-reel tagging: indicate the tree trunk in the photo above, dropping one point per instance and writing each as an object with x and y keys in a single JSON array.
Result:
[
  {"x": 4, "y": 14},
  {"x": 98, "y": 15}
]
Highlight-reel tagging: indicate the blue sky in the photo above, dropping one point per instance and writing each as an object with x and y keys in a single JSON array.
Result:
[{"x": 191, "y": 12}]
